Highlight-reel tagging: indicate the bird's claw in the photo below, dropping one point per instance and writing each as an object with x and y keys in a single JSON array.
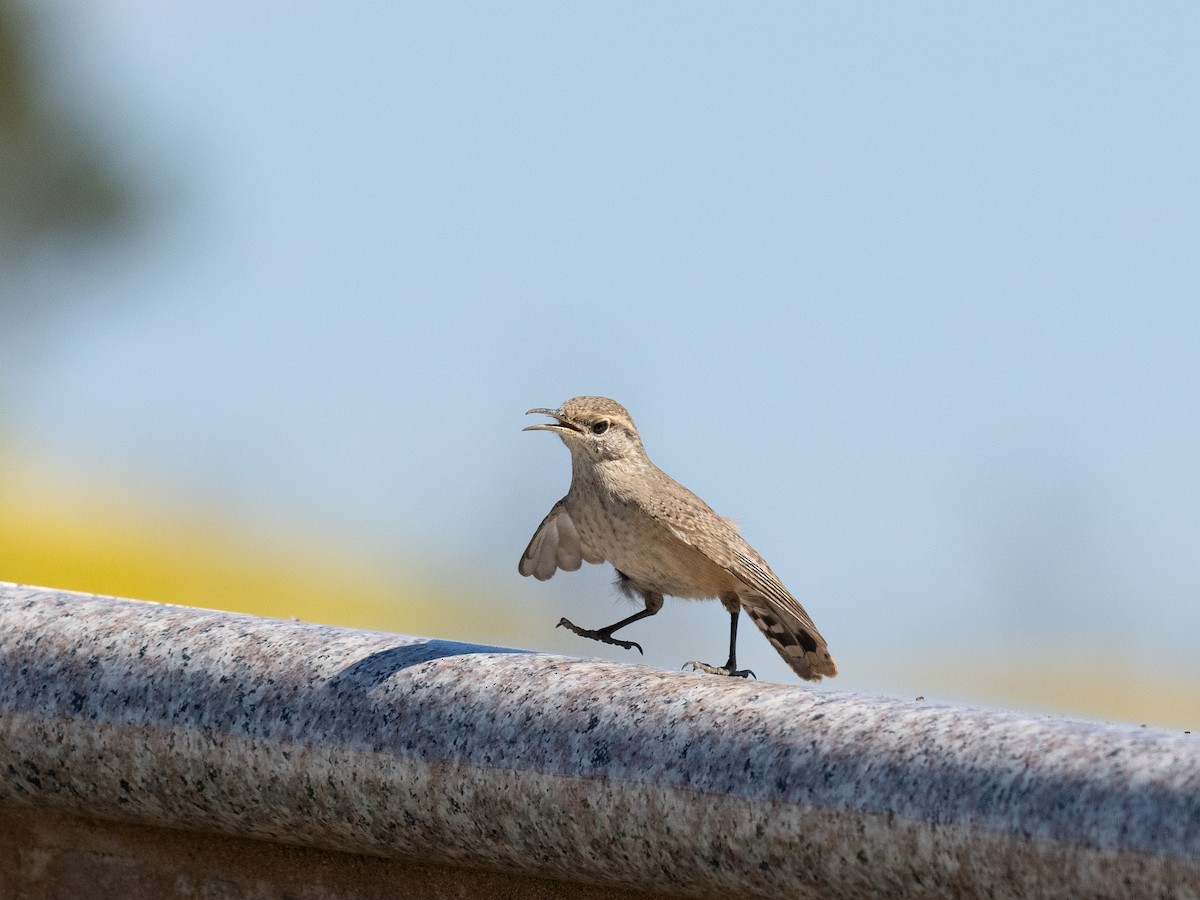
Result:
[
  {"x": 726, "y": 669},
  {"x": 604, "y": 636}
]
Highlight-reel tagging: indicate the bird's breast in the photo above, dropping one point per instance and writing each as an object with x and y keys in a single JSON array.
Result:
[{"x": 645, "y": 550}]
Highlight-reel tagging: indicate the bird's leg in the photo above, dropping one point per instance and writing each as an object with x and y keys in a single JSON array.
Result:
[
  {"x": 654, "y": 602},
  {"x": 730, "y": 668}
]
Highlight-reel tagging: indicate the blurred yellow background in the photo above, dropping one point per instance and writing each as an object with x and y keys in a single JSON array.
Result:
[{"x": 109, "y": 539}]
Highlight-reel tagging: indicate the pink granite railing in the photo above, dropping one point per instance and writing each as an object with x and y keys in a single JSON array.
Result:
[{"x": 132, "y": 734}]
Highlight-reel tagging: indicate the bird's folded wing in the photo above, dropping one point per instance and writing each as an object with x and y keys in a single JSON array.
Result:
[
  {"x": 774, "y": 610},
  {"x": 782, "y": 619},
  {"x": 763, "y": 582},
  {"x": 556, "y": 545}
]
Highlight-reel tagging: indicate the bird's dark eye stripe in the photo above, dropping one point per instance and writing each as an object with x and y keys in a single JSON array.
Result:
[{"x": 600, "y": 427}]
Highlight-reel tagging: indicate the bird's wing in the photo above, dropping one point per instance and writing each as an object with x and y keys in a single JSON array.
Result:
[
  {"x": 781, "y": 618},
  {"x": 556, "y": 545},
  {"x": 774, "y": 610}
]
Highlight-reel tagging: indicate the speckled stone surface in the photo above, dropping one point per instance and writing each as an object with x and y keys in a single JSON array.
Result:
[{"x": 574, "y": 769}]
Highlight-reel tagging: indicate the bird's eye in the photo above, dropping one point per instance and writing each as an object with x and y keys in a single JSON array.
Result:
[{"x": 600, "y": 427}]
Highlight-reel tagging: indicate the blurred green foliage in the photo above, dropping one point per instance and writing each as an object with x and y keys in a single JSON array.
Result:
[{"x": 59, "y": 183}]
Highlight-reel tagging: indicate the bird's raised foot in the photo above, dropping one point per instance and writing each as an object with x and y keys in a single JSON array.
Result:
[
  {"x": 726, "y": 669},
  {"x": 603, "y": 635}
]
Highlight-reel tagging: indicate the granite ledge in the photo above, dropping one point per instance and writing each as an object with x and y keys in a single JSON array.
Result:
[{"x": 576, "y": 770}]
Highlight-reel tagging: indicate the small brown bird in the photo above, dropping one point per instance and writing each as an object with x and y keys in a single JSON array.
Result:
[{"x": 661, "y": 538}]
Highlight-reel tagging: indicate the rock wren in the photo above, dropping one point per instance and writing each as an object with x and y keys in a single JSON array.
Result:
[{"x": 661, "y": 538}]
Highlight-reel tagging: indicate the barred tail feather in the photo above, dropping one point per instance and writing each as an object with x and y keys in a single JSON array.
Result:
[{"x": 793, "y": 636}]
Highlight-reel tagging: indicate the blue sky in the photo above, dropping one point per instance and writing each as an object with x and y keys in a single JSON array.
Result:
[{"x": 912, "y": 292}]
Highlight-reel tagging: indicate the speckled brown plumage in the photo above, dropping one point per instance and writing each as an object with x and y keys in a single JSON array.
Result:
[{"x": 660, "y": 537}]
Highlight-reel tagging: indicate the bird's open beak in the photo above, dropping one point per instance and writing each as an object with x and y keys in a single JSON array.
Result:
[{"x": 561, "y": 426}]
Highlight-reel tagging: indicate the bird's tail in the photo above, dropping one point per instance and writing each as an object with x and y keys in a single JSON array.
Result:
[{"x": 792, "y": 633}]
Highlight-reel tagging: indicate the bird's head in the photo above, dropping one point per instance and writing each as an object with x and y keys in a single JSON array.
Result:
[{"x": 593, "y": 428}]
